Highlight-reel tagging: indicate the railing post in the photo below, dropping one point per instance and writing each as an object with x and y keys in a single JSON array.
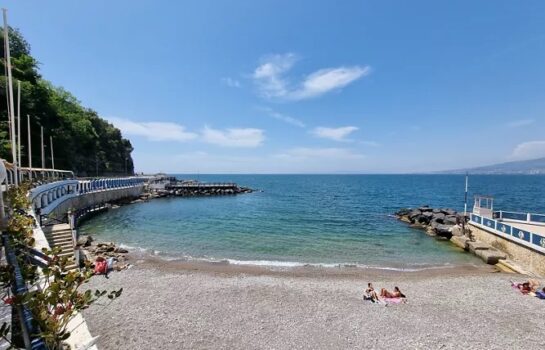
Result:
[{"x": 528, "y": 217}]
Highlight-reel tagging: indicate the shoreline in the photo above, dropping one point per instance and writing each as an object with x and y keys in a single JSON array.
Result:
[{"x": 188, "y": 305}]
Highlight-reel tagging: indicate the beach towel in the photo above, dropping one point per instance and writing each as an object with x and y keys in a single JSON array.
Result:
[{"x": 394, "y": 301}]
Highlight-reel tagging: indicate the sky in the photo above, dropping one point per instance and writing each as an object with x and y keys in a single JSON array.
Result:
[{"x": 302, "y": 86}]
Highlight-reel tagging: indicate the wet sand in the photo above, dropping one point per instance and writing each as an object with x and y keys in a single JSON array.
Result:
[{"x": 191, "y": 305}]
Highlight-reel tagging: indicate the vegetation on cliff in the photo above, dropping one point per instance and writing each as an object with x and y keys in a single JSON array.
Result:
[{"x": 82, "y": 141}]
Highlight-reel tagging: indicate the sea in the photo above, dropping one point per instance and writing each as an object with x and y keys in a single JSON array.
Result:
[{"x": 322, "y": 220}]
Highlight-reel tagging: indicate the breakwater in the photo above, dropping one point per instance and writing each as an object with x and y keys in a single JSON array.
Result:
[
  {"x": 442, "y": 222},
  {"x": 194, "y": 188}
]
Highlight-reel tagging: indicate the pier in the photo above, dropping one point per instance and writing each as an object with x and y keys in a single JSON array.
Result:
[{"x": 165, "y": 186}]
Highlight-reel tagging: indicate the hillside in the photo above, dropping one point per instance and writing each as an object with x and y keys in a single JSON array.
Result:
[
  {"x": 82, "y": 141},
  {"x": 524, "y": 167}
]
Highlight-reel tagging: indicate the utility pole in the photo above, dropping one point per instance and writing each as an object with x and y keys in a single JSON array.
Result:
[
  {"x": 10, "y": 89},
  {"x": 52, "y": 157},
  {"x": 43, "y": 152},
  {"x": 29, "y": 149},
  {"x": 19, "y": 127}
]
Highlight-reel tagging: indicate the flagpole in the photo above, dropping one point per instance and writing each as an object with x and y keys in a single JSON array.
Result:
[
  {"x": 10, "y": 89},
  {"x": 465, "y": 197},
  {"x": 29, "y": 149}
]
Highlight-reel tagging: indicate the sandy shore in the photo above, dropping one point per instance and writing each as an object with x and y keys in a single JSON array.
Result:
[{"x": 180, "y": 305}]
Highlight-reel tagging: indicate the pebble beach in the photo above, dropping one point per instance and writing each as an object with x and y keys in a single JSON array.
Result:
[{"x": 182, "y": 305}]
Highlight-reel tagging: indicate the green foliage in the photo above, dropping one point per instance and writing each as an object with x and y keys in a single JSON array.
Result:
[
  {"x": 83, "y": 142},
  {"x": 59, "y": 297}
]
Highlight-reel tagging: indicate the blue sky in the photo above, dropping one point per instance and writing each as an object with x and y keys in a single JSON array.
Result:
[{"x": 302, "y": 86}]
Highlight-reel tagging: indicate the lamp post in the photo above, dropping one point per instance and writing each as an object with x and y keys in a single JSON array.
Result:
[{"x": 3, "y": 175}]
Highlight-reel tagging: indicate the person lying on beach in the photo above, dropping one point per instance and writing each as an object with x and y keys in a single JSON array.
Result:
[
  {"x": 395, "y": 294},
  {"x": 526, "y": 287},
  {"x": 370, "y": 293},
  {"x": 103, "y": 266}
]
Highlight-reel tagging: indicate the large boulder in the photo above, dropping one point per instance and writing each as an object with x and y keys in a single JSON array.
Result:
[
  {"x": 450, "y": 220},
  {"x": 425, "y": 208},
  {"x": 448, "y": 211},
  {"x": 85, "y": 241},
  {"x": 439, "y": 217},
  {"x": 414, "y": 214},
  {"x": 443, "y": 231}
]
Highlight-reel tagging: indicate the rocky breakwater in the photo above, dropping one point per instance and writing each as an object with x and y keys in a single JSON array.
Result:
[
  {"x": 449, "y": 224},
  {"x": 442, "y": 222}
]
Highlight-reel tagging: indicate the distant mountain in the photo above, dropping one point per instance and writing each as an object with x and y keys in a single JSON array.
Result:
[{"x": 523, "y": 167}]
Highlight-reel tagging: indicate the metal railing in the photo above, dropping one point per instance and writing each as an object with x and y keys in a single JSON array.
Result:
[
  {"x": 501, "y": 228},
  {"x": 530, "y": 218},
  {"x": 29, "y": 331}
]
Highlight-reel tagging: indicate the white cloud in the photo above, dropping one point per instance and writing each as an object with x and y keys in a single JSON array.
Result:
[
  {"x": 283, "y": 117},
  {"x": 235, "y": 137},
  {"x": 154, "y": 131},
  {"x": 336, "y": 134},
  {"x": 325, "y": 80},
  {"x": 321, "y": 153},
  {"x": 231, "y": 82},
  {"x": 519, "y": 123},
  {"x": 529, "y": 150},
  {"x": 270, "y": 78}
]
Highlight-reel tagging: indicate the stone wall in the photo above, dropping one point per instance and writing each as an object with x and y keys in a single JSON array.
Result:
[
  {"x": 92, "y": 198},
  {"x": 527, "y": 258}
]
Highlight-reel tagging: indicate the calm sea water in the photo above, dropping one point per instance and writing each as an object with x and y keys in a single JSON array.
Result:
[{"x": 315, "y": 219}]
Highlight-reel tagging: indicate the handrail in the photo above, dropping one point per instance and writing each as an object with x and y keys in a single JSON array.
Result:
[
  {"x": 531, "y": 218},
  {"x": 30, "y": 332}
]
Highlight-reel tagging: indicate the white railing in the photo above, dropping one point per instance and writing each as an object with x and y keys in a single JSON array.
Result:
[
  {"x": 46, "y": 198},
  {"x": 501, "y": 228},
  {"x": 529, "y": 218}
]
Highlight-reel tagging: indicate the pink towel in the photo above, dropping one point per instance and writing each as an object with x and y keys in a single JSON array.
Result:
[{"x": 393, "y": 300}]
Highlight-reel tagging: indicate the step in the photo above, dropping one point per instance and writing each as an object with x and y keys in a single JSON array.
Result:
[
  {"x": 59, "y": 233},
  {"x": 64, "y": 235},
  {"x": 56, "y": 227},
  {"x": 54, "y": 241}
]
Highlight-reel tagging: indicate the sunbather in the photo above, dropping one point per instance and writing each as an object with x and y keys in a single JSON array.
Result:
[
  {"x": 370, "y": 293},
  {"x": 395, "y": 294}
]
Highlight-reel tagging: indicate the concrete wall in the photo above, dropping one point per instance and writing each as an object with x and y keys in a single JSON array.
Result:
[
  {"x": 92, "y": 198},
  {"x": 527, "y": 258}
]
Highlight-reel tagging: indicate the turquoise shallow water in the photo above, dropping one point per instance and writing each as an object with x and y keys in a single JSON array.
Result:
[{"x": 316, "y": 219}]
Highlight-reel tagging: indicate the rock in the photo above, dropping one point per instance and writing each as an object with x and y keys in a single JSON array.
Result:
[
  {"x": 490, "y": 256},
  {"x": 457, "y": 231},
  {"x": 448, "y": 211},
  {"x": 460, "y": 241},
  {"x": 477, "y": 245},
  {"x": 425, "y": 208},
  {"x": 85, "y": 241},
  {"x": 438, "y": 216},
  {"x": 443, "y": 231},
  {"x": 414, "y": 213},
  {"x": 403, "y": 212},
  {"x": 450, "y": 220},
  {"x": 121, "y": 250},
  {"x": 428, "y": 214}
]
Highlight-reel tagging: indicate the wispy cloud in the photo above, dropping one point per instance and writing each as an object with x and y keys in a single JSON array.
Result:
[
  {"x": 519, "y": 123},
  {"x": 154, "y": 131},
  {"x": 328, "y": 153},
  {"x": 235, "y": 137},
  {"x": 336, "y": 134},
  {"x": 231, "y": 82},
  {"x": 270, "y": 77},
  {"x": 283, "y": 117},
  {"x": 529, "y": 150}
]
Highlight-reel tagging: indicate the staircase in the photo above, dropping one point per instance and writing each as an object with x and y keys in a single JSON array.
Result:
[{"x": 60, "y": 235}]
